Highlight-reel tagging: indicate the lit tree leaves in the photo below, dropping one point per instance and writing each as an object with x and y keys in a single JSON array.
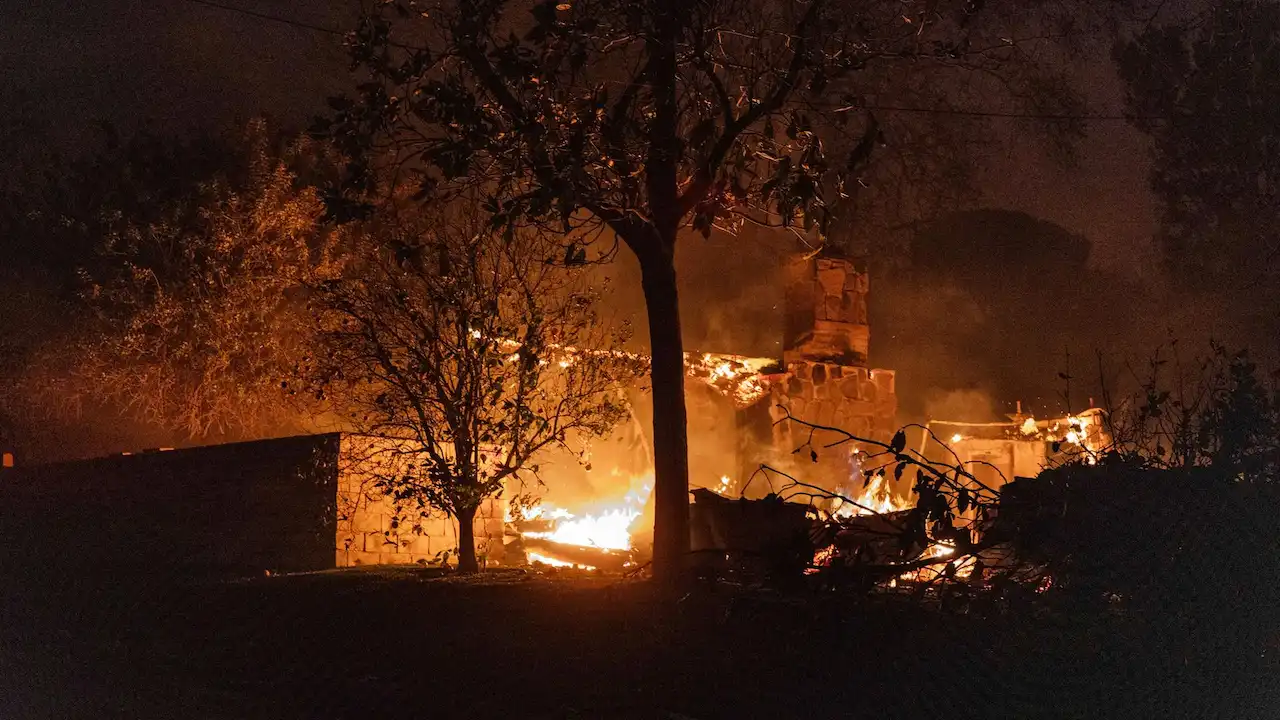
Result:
[{"x": 464, "y": 359}]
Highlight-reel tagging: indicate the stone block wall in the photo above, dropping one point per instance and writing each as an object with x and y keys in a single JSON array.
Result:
[
  {"x": 826, "y": 316},
  {"x": 370, "y": 531},
  {"x": 854, "y": 399},
  {"x": 857, "y": 400}
]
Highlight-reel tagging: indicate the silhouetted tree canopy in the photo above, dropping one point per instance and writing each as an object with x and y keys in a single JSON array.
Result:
[
  {"x": 1207, "y": 91},
  {"x": 992, "y": 300},
  {"x": 992, "y": 249}
]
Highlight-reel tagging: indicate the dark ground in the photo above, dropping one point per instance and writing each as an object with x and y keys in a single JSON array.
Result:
[{"x": 409, "y": 643}]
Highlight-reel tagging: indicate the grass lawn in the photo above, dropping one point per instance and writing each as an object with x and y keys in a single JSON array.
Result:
[{"x": 415, "y": 644}]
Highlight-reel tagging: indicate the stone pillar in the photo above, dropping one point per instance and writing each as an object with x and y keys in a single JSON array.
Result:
[
  {"x": 825, "y": 350},
  {"x": 826, "y": 315}
]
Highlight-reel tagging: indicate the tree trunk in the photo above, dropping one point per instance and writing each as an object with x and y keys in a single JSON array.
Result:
[
  {"x": 467, "y": 541},
  {"x": 670, "y": 432}
]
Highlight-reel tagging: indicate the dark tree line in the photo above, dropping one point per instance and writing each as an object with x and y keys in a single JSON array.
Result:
[{"x": 1206, "y": 89}]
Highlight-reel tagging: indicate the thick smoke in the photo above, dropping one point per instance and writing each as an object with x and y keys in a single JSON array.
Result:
[
  {"x": 1012, "y": 308},
  {"x": 984, "y": 309}
]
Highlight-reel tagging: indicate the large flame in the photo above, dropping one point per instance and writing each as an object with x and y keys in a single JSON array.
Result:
[
  {"x": 608, "y": 530},
  {"x": 877, "y": 498},
  {"x": 606, "y": 526},
  {"x": 735, "y": 376}
]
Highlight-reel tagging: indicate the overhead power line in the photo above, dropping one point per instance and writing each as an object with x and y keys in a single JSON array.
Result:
[
  {"x": 997, "y": 113},
  {"x": 284, "y": 20},
  {"x": 882, "y": 108},
  {"x": 268, "y": 16}
]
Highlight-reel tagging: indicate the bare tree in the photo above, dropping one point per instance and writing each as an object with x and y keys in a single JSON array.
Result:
[{"x": 461, "y": 356}]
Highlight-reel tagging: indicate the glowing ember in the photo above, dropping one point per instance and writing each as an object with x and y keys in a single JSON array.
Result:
[
  {"x": 938, "y": 550},
  {"x": 957, "y": 438},
  {"x": 553, "y": 562},
  {"x": 960, "y": 569},
  {"x": 822, "y": 558}
]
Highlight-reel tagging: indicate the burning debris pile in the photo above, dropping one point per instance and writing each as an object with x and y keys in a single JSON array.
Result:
[
  {"x": 865, "y": 532},
  {"x": 863, "y": 528},
  {"x": 742, "y": 379},
  {"x": 1082, "y": 436}
]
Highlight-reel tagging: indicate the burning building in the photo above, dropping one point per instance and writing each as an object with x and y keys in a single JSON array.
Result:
[
  {"x": 596, "y": 509},
  {"x": 738, "y": 416},
  {"x": 998, "y": 452}
]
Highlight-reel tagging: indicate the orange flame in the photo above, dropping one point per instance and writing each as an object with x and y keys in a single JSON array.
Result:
[
  {"x": 876, "y": 499},
  {"x": 607, "y": 527}
]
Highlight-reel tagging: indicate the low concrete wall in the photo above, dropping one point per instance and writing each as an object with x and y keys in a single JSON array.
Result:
[
  {"x": 285, "y": 505},
  {"x": 235, "y": 508}
]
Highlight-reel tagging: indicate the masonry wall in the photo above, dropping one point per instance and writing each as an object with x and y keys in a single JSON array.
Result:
[
  {"x": 369, "y": 531},
  {"x": 855, "y": 399},
  {"x": 825, "y": 380},
  {"x": 226, "y": 509}
]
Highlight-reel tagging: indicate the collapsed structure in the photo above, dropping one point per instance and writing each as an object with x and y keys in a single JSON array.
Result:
[
  {"x": 998, "y": 452},
  {"x": 300, "y": 504},
  {"x": 737, "y": 421}
]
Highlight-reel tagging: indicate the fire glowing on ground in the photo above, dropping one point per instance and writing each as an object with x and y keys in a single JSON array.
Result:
[
  {"x": 608, "y": 530},
  {"x": 554, "y": 562},
  {"x": 603, "y": 527},
  {"x": 877, "y": 498}
]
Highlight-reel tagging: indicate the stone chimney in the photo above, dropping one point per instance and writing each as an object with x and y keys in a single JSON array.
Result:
[{"x": 826, "y": 311}]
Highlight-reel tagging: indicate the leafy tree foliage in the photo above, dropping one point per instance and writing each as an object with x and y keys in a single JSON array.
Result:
[
  {"x": 55, "y": 211},
  {"x": 640, "y": 121},
  {"x": 1212, "y": 412},
  {"x": 1206, "y": 90},
  {"x": 193, "y": 296},
  {"x": 460, "y": 358}
]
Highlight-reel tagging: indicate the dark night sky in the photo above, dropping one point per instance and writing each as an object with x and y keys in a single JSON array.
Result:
[{"x": 175, "y": 63}]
